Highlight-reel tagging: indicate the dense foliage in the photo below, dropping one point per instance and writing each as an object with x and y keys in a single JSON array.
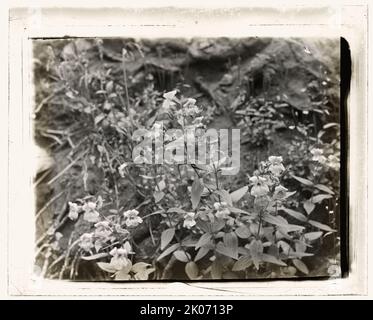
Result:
[{"x": 127, "y": 221}]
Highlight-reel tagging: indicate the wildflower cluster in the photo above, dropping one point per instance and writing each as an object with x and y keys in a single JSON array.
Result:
[{"x": 257, "y": 228}]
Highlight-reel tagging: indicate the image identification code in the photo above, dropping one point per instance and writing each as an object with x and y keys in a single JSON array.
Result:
[{"x": 193, "y": 309}]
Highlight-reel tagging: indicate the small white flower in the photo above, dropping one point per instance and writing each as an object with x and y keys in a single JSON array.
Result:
[
  {"x": 189, "y": 221},
  {"x": 219, "y": 205},
  {"x": 58, "y": 236},
  {"x": 89, "y": 206},
  {"x": 334, "y": 271},
  {"x": 169, "y": 100},
  {"x": 170, "y": 95},
  {"x": 260, "y": 187},
  {"x": 230, "y": 221},
  {"x": 276, "y": 166},
  {"x": 90, "y": 212},
  {"x": 280, "y": 192},
  {"x": 190, "y": 102},
  {"x": 119, "y": 258},
  {"x": 222, "y": 211},
  {"x": 131, "y": 218},
  {"x": 74, "y": 210},
  {"x": 334, "y": 162},
  {"x": 86, "y": 241},
  {"x": 122, "y": 168},
  {"x": 102, "y": 229},
  {"x": 318, "y": 155},
  {"x": 130, "y": 213}
]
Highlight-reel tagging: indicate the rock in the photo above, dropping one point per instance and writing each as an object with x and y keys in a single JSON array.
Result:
[
  {"x": 227, "y": 80},
  {"x": 224, "y": 48}
]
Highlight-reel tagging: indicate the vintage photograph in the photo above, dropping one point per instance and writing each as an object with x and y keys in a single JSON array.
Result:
[{"x": 187, "y": 159}]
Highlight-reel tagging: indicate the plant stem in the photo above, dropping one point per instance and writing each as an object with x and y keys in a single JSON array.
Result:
[{"x": 126, "y": 86}]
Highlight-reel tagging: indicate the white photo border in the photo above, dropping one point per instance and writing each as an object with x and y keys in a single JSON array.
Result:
[{"x": 26, "y": 24}]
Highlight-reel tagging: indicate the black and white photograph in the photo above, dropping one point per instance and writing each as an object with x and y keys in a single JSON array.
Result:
[{"x": 187, "y": 159}]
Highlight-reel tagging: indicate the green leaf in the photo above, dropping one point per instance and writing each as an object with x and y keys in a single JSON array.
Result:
[
  {"x": 243, "y": 232},
  {"x": 276, "y": 220},
  {"x": 122, "y": 275},
  {"x": 106, "y": 267},
  {"x": 144, "y": 274},
  {"x": 222, "y": 249},
  {"x": 95, "y": 256},
  {"x": 201, "y": 253},
  {"x": 176, "y": 210},
  {"x": 300, "y": 266},
  {"x": 300, "y": 246},
  {"x": 291, "y": 227},
  {"x": 228, "y": 275},
  {"x": 238, "y": 194},
  {"x": 330, "y": 124},
  {"x": 321, "y": 226},
  {"x": 225, "y": 195},
  {"x": 158, "y": 196},
  {"x": 312, "y": 236},
  {"x": 324, "y": 188},
  {"x": 197, "y": 189},
  {"x": 320, "y": 197},
  {"x": 256, "y": 252},
  {"x": 281, "y": 223},
  {"x": 242, "y": 263},
  {"x": 284, "y": 246},
  {"x": 191, "y": 269},
  {"x": 289, "y": 194},
  {"x": 236, "y": 210},
  {"x": 216, "y": 269},
  {"x": 303, "y": 181},
  {"x": 99, "y": 118},
  {"x": 231, "y": 242},
  {"x": 204, "y": 225},
  {"x": 181, "y": 256},
  {"x": 140, "y": 267},
  {"x": 203, "y": 240},
  {"x": 188, "y": 242},
  {"x": 295, "y": 214},
  {"x": 271, "y": 259},
  {"x": 217, "y": 225},
  {"x": 309, "y": 206},
  {"x": 161, "y": 185},
  {"x": 295, "y": 254},
  {"x": 168, "y": 251},
  {"x": 166, "y": 237},
  {"x": 151, "y": 120}
]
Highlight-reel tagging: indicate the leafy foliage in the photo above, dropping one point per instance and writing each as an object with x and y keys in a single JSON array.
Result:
[{"x": 264, "y": 226}]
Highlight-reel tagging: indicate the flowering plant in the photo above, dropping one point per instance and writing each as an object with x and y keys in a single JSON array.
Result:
[
  {"x": 220, "y": 233},
  {"x": 138, "y": 203}
]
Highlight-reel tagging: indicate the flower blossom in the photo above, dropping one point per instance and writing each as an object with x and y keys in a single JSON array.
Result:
[
  {"x": 276, "y": 166},
  {"x": 317, "y": 155},
  {"x": 260, "y": 187},
  {"x": 86, "y": 241},
  {"x": 74, "y": 210},
  {"x": 103, "y": 229},
  {"x": 132, "y": 218},
  {"x": 122, "y": 168},
  {"x": 222, "y": 211},
  {"x": 119, "y": 258},
  {"x": 190, "y": 109},
  {"x": 90, "y": 212},
  {"x": 334, "y": 162},
  {"x": 280, "y": 192},
  {"x": 169, "y": 100},
  {"x": 189, "y": 221}
]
